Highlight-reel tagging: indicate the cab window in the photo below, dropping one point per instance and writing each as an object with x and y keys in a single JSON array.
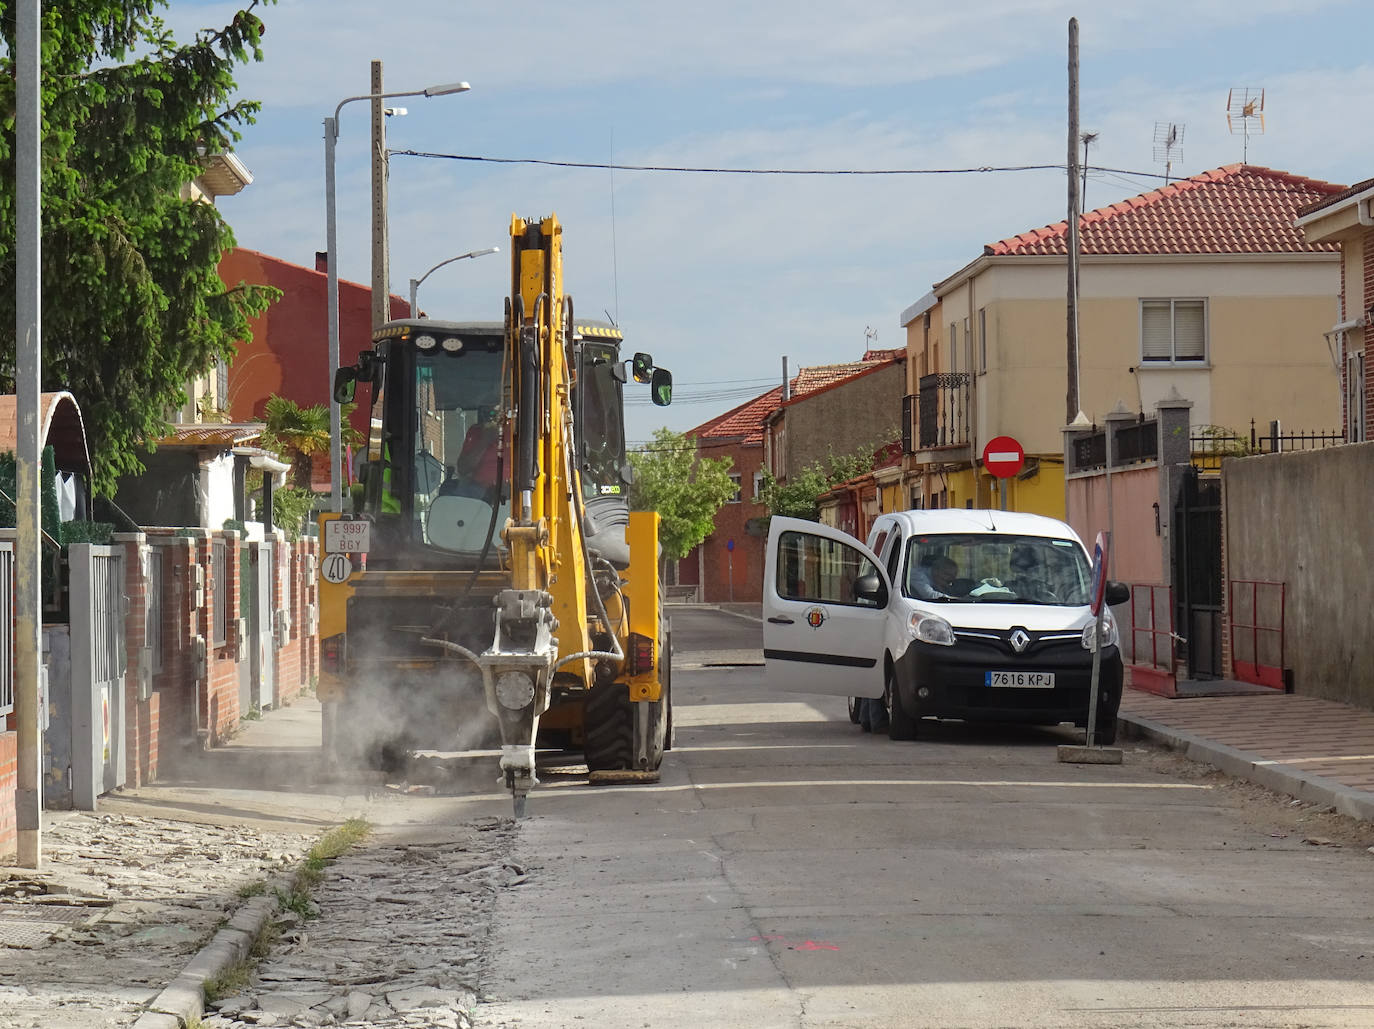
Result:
[
  {"x": 894, "y": 556},
  {"x": 813, "y": 568}
]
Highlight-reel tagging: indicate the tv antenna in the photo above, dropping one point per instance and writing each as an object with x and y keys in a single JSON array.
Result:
[
  {"x": 1168, "y": 145},
  {"x": 870, "y": 336},
  {"x": 1245, "y": 114}
]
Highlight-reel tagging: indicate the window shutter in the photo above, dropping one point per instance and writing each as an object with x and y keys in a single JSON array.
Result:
[
  {"x": 1156, "y": 331},
  {"x": 1190, "y": 332}
]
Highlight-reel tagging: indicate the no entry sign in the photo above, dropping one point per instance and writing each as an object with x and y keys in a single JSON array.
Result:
[{"x": 1003, "y": 457}]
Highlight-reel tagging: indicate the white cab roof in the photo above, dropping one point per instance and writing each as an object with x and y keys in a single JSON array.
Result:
[{"x": 958, "y": 520}]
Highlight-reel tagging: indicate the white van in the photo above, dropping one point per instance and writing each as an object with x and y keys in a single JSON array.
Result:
[{"x": 976, "y": 615}]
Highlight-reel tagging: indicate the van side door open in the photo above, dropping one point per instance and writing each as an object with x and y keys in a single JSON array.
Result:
[{"x": 825, "y": 598}]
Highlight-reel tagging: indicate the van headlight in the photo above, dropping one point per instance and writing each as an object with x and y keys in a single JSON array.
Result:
[
  {"x": 932, "y": 629},
  {"x": 1110, "y": 636}
]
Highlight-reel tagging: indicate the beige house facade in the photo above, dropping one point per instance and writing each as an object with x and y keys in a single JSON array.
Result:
[
  {"x": 1347, "y": 219},
  {"x": 1204, "y": 287}
]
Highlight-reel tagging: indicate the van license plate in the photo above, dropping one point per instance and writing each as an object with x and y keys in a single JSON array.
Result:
[{"x": 1021, "y": 680}]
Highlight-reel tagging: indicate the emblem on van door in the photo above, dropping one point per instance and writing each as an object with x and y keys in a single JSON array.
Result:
[
  {"x": 816, "y": 616},
  {"x": 1019, "y": 640}
]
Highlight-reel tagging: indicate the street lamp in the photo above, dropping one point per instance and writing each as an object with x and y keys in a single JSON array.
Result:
[
  {"x": 415, "y": 283},
  {"x": 331, "y": 138}
]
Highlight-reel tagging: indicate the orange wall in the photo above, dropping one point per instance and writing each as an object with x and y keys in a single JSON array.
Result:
[{"x": 289, "y": 352}]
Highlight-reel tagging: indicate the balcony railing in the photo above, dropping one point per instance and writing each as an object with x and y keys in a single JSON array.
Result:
[{"x": 944, "y": 410}]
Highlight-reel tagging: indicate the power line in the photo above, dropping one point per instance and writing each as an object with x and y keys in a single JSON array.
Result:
[{"x": 986, "y": 169}]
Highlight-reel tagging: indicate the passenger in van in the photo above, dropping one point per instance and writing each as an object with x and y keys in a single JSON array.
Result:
[
  {"x": 933, "y": 577},
  {"x": 1027, "y": 576}
]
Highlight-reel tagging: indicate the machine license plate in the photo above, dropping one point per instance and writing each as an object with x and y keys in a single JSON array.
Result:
[
  {"x": 1021, "y": 680},
  {"x": 346, "y": 536}
]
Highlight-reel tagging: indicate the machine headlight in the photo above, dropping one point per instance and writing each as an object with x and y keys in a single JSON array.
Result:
[
  {"x": 1110, "y": 636},
  {"x": 932, "y": 629},
  {"x": 425, "y": 342}
]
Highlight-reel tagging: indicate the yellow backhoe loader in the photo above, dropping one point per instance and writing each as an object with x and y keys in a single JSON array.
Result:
[{"x": 489, "y": 573}]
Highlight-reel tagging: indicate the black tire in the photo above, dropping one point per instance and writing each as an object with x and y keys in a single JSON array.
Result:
[
  {"x": 854, "y": 710},
  {"x": 608, "y": 726},
  {"x": 901, "y": 725}
]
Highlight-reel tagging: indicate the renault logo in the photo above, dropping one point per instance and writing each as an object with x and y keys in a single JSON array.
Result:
[{"x": 1019, "y": 640}]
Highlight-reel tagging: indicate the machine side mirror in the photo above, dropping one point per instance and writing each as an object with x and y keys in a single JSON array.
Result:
[
  {"x": 869, "y": 590},
  {"x": 642, "y": 367},
  {"x": 661, "y": 388},
  {"x": 1116, "y": 593},
  {"x": 345, "y": 384}
]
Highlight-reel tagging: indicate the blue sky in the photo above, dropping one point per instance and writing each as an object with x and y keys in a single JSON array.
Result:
[{"x": 719, "y": 276}]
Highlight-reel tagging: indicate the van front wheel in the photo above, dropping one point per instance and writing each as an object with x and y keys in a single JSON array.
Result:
[{"x": 901, "y": 725}]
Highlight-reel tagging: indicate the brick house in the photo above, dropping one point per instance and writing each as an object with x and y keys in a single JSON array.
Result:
[
  {"x": 728, "y": 564},
  {"x": 288, "y": 351},
  {"x": 1348, "y": 220}
]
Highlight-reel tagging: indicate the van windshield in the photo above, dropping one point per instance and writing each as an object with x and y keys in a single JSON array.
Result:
[{"x": 983, "y": 568}]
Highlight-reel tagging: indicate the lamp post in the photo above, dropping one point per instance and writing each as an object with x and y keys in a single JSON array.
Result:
[
  {"x": 415, "y": 283},
  {"x": 331, "y": 137}
]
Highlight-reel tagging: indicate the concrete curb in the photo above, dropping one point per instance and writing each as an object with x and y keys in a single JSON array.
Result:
[
  {"x": 182, "y": 1002},
  {"x": 1244, "y": 765}
]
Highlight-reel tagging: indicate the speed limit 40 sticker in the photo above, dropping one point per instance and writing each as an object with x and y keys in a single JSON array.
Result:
[{"x": 336, "y": 568}]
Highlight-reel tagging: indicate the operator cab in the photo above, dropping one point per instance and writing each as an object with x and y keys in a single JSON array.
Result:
[{"x": 435, "y": 464}]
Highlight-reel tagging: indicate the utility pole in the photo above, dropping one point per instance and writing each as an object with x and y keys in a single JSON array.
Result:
[
  {"x": 381, "y": 270},
  {"x": 1071, "y": 403},
  {"x": 28, "y": 600}
]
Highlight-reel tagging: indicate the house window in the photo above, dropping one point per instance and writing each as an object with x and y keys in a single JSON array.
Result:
[
  {"x": 758, "y": 483},
  {"x": 1173, "y": 331},
  {"x": 1354, "y": 397},
  {"x": 222, "y": 385},
  {"x": 735, "y": 478},
  {"x": 954, "y": 345},
  {"x": 983, "y": 339}
]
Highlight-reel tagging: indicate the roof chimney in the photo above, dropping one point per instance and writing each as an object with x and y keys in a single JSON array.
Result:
[{"x": 322, "y": 261}]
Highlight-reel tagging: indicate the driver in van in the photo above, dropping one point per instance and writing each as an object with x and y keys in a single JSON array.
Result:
[{"x": 933, "y": 577}]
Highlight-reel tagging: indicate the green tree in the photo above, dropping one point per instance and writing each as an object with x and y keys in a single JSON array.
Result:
[
  {"x": 686, "y": 490},
  {"x": 133, "y": 307},
  {"x": 799, "y": 497},
  {"x": 298, "y": 433}
]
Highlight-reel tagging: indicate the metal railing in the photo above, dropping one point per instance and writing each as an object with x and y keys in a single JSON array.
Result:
[
  {"x": 1257, "y": 611},
  {"x": 944, "y": 410},
  {"x": 1152, "y": 638},
  {"x": 1210, "y": 444},
  {"x": 1135, "y": 443}
]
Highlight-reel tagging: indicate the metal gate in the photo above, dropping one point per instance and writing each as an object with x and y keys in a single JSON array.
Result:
[
  {"x": 261, "y": 642},
  {"x": 98, "y": 607},
  {"x": 1197, "y": 573}
]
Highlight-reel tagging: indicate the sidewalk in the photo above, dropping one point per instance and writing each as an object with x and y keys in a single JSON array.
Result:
[{"x": 1316, "y": 750}]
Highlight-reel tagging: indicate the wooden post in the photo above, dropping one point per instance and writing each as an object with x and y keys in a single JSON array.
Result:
[{"x": 1072, "y": 405}]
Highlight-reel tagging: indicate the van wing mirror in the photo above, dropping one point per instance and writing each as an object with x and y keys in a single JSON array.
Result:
[
  {"x": 345, "y": 384},
  {"x": 661, "y": 388},
  {"x": 869, "y": 589},
  {"x": 1117, "y": 593}
]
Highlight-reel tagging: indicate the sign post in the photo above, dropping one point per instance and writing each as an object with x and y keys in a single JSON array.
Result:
[
  {"x": 1003, "y": 457},
  {"x": 1089, "y": 753},
  {"x": 730, "y": 550}
]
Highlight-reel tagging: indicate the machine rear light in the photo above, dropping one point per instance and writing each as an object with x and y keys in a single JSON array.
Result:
[
  {"x": 332, "y": 654},
  {"x": 639, "y": 654}
]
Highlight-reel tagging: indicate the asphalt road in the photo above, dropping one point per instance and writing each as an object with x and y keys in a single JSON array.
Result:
[{"x": 791, "y": 871}]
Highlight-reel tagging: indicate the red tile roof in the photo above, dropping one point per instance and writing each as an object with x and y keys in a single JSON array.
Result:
[
  {"x": 1237, "y": 209},
  {"x": 1332, "y": 201},
  {"x": 212, "y": 434},
  {"x": 748, "y": 418}
]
